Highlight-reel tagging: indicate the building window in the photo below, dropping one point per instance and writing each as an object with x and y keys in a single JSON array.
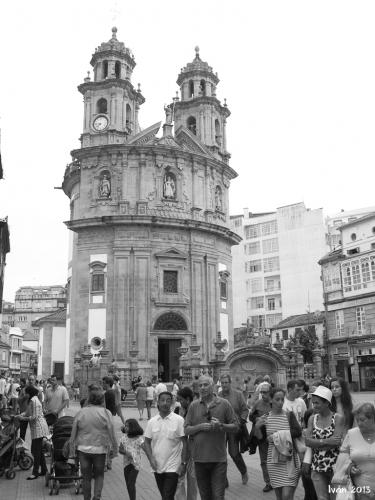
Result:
[
  {"x": 3, "y": 355},
  {"x": 272, "y": 284},
  {"x": 353, "y": 236},
  {"x": 252, "y": 231},
  {"x": 252, "y": 248},
  {"x": 269, "y": 228},
  {"x": 339, "y": 320},
  {"x": 237, "y": 222},
  {"x": 253, "y": 266},
  {"x": 192, "y": 124},
  {"x": 353, "y": 251},
  {"x": 170, "y": 281},
  {"x": 101, "y": 106},
  {"x": 361, "y": 320},
  {"x": 170, "y": 321},
  {"x": 285, "y": 334},
  {"x": 257, "y": 302},
  {"x": 223, "y": 290},
  {"x": 273, "y": 319},
  {"x": 271, "y": 304},
  {"x": 358, "y": 272},
  {"x": 270, "y": 246},
  {"x": 255, "y": 285},
  {"x": 97, "y": 282},
  {"x": 271, "y": 264}
]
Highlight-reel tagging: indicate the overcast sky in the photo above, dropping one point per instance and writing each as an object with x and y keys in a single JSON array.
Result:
[{"x": 299, "y": 78}]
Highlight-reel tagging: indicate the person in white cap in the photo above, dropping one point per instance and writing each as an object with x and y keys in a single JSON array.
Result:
[{"x": 324, "y": 435}]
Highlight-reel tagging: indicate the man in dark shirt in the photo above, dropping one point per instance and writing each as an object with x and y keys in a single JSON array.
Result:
[
  {"x": 109, "y": 395},
  {"x": 110, "y": 404},
  {"x": 261, "y": 407},
  {"x": 208, "y": 420}
]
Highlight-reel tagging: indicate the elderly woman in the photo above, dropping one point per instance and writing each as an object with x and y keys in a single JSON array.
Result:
[
  {"x": 93, "y": 434},
  {"x": 324, "y": 436},
  {"x": 358, "y": 453},
  {"x": 38, "y": 429}
]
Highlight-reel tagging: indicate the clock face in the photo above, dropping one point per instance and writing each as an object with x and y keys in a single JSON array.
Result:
[{"x": 100, "y": 123}]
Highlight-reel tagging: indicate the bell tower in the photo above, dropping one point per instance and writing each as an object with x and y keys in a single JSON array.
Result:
[
  {"x": 111, "y": 103},
  {"x": 199, "y": 110}
]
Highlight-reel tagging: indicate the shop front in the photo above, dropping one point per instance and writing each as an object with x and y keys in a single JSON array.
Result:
[{"x": 366, "y": 365}]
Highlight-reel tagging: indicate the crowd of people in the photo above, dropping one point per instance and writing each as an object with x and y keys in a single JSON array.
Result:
[{"x": 301, "y": 433}]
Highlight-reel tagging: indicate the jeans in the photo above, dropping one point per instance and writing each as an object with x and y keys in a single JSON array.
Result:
[
  {"x": 167, "y": 484},
  {"x": 234, "y": 452},
  {"x": 92, "y": 466},
  {"x": 131, "y": 473},
  {"x": 321, "y": 480},
  {"x": 38, "y": 456},
  {"x": 263, "y": 450},
  {"x": 308, "y": 486},
  {"x": 148, "y": 406},
  {"x": 191, "y": 484},
  {"x": 211, "y": 478}
]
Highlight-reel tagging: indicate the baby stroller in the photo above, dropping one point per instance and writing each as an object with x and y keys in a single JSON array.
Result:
[
  {"x": 12, "y": 447},
  {"x": 63, "y": 469}
]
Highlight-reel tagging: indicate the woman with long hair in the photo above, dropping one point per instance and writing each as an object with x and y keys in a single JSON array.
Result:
[
  {"x": 38, "y": 430},
  {"x": 282, "y": 459},
  {"x": 342, "y": 401}
]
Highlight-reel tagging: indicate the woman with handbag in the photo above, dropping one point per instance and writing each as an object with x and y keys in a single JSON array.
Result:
[
  {"x": 93, "y": 435},
  {"x": 324, "y": 436},
  {"x": 281, "y": 428},
  {"x": 357, "y": 454}
]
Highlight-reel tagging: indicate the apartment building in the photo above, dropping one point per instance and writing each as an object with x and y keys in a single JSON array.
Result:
[
  {"x": 275, "y": 271},
  {"x": 348, "y": 275}
]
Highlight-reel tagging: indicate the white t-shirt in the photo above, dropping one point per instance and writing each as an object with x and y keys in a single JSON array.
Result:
[
  {"x": 150, "y": 393},
  {"x": 166, "y": 444},
  {"x": 13, "y": 390},
  {"x": 297, "y": 406},
  {"x": 159, "y": 389}
]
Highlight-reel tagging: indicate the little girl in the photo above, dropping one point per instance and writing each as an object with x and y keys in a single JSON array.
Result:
[{"x": 130, "y": 447}]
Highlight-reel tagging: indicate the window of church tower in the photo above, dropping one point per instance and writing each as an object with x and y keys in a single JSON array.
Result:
[
  {"x": 105, "y": 69},
  {"x": 97, "y": 282},
  {"x": 101, "y": 106},
  {"x": 191, "y": 89},
  {"x": 217, "y": 131},
  {"x": 192, "y": 124},
  {"x": 117, "y": 69},
  {"x": 170, "y": 281},
  {"x": 128, "y": 118},
  {"x": 202, "y": 87}
]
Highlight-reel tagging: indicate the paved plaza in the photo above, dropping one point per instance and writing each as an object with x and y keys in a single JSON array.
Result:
[{"x": 114, "y": 484}]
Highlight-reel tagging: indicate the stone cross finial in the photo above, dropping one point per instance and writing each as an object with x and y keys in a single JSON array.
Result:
[
  {"x": 114, "y": 31},
  {"x": 196, "y": 52}
]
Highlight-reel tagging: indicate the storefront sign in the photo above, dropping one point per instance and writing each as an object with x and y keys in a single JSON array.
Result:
[{"x": 366, "y": 359}]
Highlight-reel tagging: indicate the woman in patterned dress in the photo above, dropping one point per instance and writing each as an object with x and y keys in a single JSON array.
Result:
[
  {"x": 38, "y": 430},
  {"x": 324, "y": 435},
  {"x": 284, "y": 474}
]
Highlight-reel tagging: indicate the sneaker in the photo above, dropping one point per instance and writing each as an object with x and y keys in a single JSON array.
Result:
[
  {"x": 267, "y": 488},
  {"x": 245, "y": 478}
]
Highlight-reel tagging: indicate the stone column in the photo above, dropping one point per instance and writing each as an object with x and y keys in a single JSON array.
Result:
[
  {"x": 201, "y": 126},
  {"x": 318, "y": 363}
]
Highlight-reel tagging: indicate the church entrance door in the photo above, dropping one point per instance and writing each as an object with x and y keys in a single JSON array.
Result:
[{"x": 168, "y": 359}]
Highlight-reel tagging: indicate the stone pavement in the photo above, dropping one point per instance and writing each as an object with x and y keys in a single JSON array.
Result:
[{"x": 114, "y": 484}]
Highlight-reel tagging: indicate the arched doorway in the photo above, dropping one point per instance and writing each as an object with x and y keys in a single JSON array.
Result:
[{"x": 170, "y": 325}]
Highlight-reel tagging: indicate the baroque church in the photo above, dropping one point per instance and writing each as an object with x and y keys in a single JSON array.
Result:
[{"x": 149, "y": 272}]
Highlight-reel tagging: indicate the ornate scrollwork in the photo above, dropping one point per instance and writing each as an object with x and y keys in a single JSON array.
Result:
[{"x": 170, "y": 321}]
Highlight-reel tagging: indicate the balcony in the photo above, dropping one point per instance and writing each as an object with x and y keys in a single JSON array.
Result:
[{"x": 15, "y": 366}]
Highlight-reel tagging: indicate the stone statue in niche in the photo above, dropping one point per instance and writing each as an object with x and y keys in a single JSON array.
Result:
[
  {"x": 105, "y": 187},
  {"x": 168, "y": 114},
  {"x": 169, "y": 187},
  {"x": 218, "y": 199}
]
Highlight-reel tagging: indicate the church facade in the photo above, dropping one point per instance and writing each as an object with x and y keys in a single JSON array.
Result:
[{"x": 149, "y": 274}]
